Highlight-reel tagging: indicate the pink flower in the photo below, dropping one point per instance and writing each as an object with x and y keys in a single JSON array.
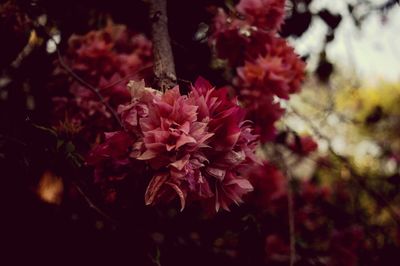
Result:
[
  {"x": 280, "y": 72},
  {"x": 108, "y": 51},
  {"x": 197, "y": 145},
  {"x": 266, "y": 14},
  {"x": 91, "y": 55},
  {"x": 172, "y": 138},
  {"x": 266, "y": 66},
  {"x": 141, "y": 99},
  {"x": 105, "y": 59}
]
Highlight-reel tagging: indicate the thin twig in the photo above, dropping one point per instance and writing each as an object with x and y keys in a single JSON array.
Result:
[
  {"x": 358, "y": 178},
  {"x": 13, "y": 139},
  {"x": 184, "y": 81},
  {"x": 164, "y": 66},
  {"x": 127, "y": 77},
  {"x": 361, "y": 182},
  {"x": 291, "y": 221},
  {"x": 92, "y": 205},
  {"x": 292, "y": 234}
]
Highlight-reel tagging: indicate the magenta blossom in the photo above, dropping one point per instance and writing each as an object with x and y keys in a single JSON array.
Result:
[
  {"x": 265, "y": 14},
  {"x": 197, "y": 145},
  {"x": 266, "y": 66},
  {"x": 280, "y": 72}
]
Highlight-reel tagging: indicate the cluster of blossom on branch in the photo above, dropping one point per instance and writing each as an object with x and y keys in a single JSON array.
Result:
[
  {"x": 105, "y": 59},
  {"x": 196, "y": 146},
  {"x": 265, "y": 67}
]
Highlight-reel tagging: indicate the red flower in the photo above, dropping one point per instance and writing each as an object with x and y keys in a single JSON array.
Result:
[{"x": 303, "y": 145}]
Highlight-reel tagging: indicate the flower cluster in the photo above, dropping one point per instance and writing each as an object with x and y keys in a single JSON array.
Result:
[
  {"x": 197, "y": 146},
  {"x": 265, "y": 66},
  {"x": 104, "y": 59},
  {"x": 109, "y": 51}
]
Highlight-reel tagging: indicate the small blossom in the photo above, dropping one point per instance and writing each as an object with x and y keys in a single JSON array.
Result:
[
  {"x": 266, "y": 14},
  {"x": 303, "y": 145},
  {"x": 279, "y": 71}
]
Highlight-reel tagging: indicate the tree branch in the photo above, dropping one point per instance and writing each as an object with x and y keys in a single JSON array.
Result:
[
  {"x": 164, "y": 67},
  {"x": 95, "y": 90},
  {"x": 93, "y": 206},
  {"x": 292, "y": 234}
]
